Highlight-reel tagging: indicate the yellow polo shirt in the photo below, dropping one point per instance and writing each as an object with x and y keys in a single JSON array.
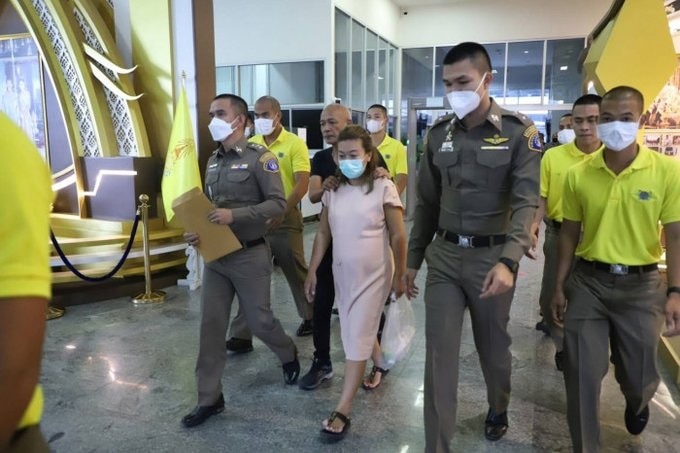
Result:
[
  {"x": 25, "y": 198},
  {"x": 292, "y": 153},
  {"x": 620, "y": 214},
  {"x": 554, "y": 166},
  {"x": 394, "y": 154}
]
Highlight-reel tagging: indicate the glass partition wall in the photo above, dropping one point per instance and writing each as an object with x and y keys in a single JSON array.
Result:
[
  {"x": 539, "y": 78},
  {"x": 365, "y": 67}
]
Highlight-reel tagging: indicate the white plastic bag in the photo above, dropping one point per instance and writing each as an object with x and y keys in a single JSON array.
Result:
[{"x": 399, "y": 330}]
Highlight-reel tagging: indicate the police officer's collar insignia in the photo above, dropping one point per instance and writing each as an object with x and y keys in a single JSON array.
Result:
[
  {"x": 443, "y": 119},
  {"x": 238, "y": 149},
  {"x": 495, "y": 116},
  {"x": 496, "y": 140}
]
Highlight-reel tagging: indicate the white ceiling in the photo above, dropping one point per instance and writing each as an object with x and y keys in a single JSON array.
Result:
[{"x": 410, "y": 3}]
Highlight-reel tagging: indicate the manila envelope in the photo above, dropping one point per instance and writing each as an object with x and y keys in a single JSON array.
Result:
[{"x": 192, "y": 209}]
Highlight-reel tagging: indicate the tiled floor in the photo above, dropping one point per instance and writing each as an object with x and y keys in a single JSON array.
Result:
[{"x": 119, "y": 377}]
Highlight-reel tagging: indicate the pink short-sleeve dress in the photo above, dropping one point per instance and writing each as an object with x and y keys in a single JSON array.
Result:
[{"x": 362, "y": 260}]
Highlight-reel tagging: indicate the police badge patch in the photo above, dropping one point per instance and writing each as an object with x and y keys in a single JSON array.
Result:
[
  {"x": 272, "y": 166},
  {"x": 535, "y": 143}
]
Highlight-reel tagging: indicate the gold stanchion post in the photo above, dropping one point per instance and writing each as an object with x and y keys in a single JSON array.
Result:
[
  {"x": 52, "y": 311},
  {"x": 148, "y": 296}
]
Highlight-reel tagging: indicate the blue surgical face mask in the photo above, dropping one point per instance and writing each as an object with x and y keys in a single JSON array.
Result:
[{"x": 352, "y": 168}]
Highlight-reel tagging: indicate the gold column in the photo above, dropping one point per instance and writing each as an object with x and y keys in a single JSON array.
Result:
[
  {"x": 152, "y": 51},
  {"x": 206, "y": 85}
]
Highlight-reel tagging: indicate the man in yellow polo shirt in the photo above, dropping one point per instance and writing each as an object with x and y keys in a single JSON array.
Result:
[
  {"x": 615, "y": 294},
  {"x": 25, "y": 287},
  {"x": 391, "y": 150},
  {"x": 554, "y": 166},
  {"x": 285, "y": 233}
]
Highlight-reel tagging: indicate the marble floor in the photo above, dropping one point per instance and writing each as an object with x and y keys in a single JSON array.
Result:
[{"x": 119, "y": 377}]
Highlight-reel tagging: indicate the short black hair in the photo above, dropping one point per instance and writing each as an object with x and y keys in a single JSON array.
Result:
[
  {"x": 237, "y": 102},
  {"x": 566, "y": 115},
  {"x": 623, "y": 92},
  {"x": 378, "y": 106},
  {"x": 588, "y": 99},
  {"x": 472, "y": 51}
]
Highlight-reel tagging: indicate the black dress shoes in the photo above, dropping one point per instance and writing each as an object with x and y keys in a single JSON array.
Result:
[
  {"x": 495, "y": 425},
  {"x": 542, "y": 326},
  {"x": 291, "y": 371},
  {"x": 635, "y": 423},
  {"x": 202, "y": 413},
  {"x": 239, "y": 346},
  {"x": 559, "y": 360},
  {"x": 306, "y": 328}
]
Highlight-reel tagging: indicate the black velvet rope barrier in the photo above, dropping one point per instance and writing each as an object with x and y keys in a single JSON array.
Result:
[{"x": 70, "y": 267}]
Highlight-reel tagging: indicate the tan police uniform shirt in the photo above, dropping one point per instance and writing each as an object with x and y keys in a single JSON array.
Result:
[
  {"x": 246, "y": 179},
  {"x": 482, "y": 181}
]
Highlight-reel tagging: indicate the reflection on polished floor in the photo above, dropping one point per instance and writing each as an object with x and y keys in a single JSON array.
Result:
[{"x": 119, "y": 377}]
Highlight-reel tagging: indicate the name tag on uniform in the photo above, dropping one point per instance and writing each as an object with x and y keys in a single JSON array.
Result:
[
  {"x": 446, "y": 147},
  {"x": 239, "y": 166},
  {"x": 213, "y": 166},
  {"x": 495, "y": 147}
]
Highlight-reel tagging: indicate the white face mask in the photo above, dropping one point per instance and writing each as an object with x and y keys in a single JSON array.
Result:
[
  {"x": 374, "y": 126},
  {"x": 264, "y": 126},
  {"x": 617, "y": 135},
  {"x": 220, "y": 129},
  {"x": 464, "y": 102},
  {"x": 566, "y": 136}
]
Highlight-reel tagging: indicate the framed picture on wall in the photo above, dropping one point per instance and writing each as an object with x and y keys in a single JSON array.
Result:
[{"x": 21, "y": 87}]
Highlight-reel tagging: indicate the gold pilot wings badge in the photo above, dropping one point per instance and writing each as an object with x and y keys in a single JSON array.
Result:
[{"x": 496, "y": 140}]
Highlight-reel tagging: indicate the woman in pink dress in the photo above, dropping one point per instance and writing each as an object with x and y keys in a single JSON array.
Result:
[{"x": 364, "y": 219}]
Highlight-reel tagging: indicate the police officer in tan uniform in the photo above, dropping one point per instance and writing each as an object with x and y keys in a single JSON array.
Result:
[
  {"x": 478, "y": 191},
  {"x": 243, "y": 181}
]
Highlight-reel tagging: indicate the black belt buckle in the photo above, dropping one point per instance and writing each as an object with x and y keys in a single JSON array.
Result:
[
  {"x": 465, "y": 242},
  {"x": 618, "y": 269},
  {"x": 253, "y": 243}
]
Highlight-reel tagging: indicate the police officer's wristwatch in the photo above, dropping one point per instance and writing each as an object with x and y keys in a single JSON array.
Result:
[
  {"x": 511, "y": 264},
  {"x": 672, "y": 289}
]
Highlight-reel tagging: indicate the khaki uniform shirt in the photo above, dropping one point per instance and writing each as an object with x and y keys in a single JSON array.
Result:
[
  {"x": 246, "y": 179},
  {"x": 482, "y": 181}
]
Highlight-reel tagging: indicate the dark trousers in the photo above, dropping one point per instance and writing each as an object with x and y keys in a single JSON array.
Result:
[
  {"x": 323, "y": 307},
  {"x": 625, "y": 312}
]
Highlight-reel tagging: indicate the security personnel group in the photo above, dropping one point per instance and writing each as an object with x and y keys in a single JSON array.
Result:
[{"x": 484, "y": 186}]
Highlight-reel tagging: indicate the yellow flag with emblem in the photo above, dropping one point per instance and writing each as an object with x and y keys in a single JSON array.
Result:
[{"x": 181, "y": 162}]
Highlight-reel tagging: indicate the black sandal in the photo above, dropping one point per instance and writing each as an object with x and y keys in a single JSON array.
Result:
[
  {"x": 332, "y": 436},
  {"x": 376, "y": 369}
]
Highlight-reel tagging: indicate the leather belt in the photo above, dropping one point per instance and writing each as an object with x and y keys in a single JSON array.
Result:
[
  {"x": 619, "y": 269},
  {"x": 553, "y": 223},
  {"x": 470, "y": 242},
  {"x": 253, "y": 243}
]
